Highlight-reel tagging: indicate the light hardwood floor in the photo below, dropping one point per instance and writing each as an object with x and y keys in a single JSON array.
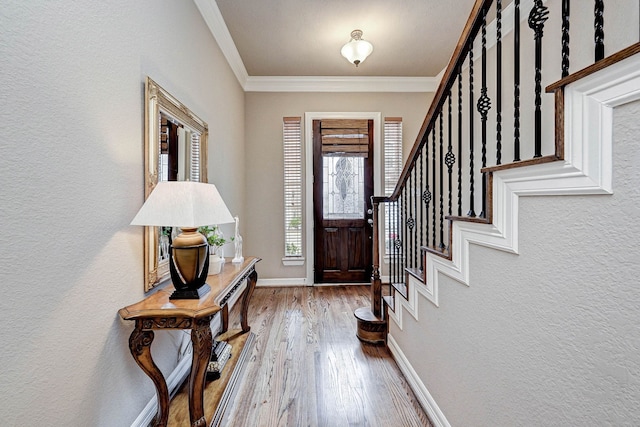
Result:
[{"x": 307, "y": 368}]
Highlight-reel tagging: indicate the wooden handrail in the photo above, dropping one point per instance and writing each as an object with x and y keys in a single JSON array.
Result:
[
  {"x": 469, "y": 33},
  {"x": 604, "y": 63}
]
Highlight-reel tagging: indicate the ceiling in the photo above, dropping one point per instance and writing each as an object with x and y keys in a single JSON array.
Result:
[{"x": 295, "y": 38}]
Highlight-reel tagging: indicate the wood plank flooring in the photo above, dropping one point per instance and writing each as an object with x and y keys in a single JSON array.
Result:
[{"x": 307, "y": 368}]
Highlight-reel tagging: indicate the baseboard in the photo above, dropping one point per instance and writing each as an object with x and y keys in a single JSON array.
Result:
[
  {"x": 283, "y": 282},
  {"x": 428, "y": 403},
  {"x": 300, "y": 281}
]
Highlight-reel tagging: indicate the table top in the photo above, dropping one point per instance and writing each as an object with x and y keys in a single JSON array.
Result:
[{"x": 158, "y": 304}]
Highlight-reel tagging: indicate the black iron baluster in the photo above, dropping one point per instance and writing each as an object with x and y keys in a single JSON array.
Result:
[
  {"x": 472, "y": 212},
  {"x": 420, "y": 187},
  {"x": 409, "y": 219},
  {"x": 426, "y": 195},
  {"x": 396, "y": 239},
  {"x": 483, "y": 106},
  {"x": 389, "y": 233},
  {"x": 516, "y": 81},
  {"x": 599, "y": 26},
  {"x": 450, "y": 158},
  {"x": 412, "y": 223},
  {"x": 388, "y": 237},
  {"x": 565, "y": 38},
  {"x": 418, "y": 206},
  {"x": 405, "y": 235},
  {"x": 441, "y": 246},
  {"x": 399, "y": 240},
  {"x": 409, "y": 238},
  {"x": 434, "y": 180},
  {"x": 537, "y": 17},
  {"x": 460, "y": 140},
  {"x": 498, "y": 82}
]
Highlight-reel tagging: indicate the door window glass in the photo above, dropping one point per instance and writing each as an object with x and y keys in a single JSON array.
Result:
[{"x": 343, "y": 187}]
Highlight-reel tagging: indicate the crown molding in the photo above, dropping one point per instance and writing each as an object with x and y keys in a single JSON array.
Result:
[{"x": 213, "y": 18}]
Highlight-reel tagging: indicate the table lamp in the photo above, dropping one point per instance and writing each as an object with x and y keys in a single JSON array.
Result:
[{"x": 186, "y": 205}]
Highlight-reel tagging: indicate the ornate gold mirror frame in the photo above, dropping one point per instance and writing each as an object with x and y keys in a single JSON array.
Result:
[{"x": 163, "y": 112}]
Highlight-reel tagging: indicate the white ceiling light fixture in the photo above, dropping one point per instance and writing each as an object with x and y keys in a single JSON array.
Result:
[{"x": 357, "y": 49}]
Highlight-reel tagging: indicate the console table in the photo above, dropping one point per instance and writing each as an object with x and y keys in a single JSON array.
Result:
[{"x": 157, "y": 311}]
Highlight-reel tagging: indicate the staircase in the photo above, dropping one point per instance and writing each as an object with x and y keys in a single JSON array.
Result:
[{"x": 510, "y": 118}]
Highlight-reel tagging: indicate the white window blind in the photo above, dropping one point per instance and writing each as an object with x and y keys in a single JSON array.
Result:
[
  {"x": 392, "y": 170},
  {"x": 195, "y": 156},
  {"x": 292, "y": 144}
]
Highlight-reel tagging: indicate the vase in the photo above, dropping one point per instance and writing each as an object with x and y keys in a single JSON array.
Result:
[{"x": 215, "y": 264}]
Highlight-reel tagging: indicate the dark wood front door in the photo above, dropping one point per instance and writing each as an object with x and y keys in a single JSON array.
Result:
[{"x": 342, "y": 190}]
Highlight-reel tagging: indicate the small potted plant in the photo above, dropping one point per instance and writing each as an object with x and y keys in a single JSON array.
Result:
[{"x": 216, "y": 240}]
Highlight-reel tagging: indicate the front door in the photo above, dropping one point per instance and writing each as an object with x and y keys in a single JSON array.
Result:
[{"x": 342, "y": 190}]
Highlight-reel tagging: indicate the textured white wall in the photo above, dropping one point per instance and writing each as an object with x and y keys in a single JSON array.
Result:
[
  {"x": 71, "y": 162},
  {"x": 547, "y": 337}
]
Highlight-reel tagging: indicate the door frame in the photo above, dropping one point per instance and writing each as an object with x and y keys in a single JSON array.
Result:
[{"x": 309, "y": 117}]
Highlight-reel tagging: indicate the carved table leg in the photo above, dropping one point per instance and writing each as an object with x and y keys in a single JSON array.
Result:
[
  {"x": 202, "y": 341},
  {"x": 251, "y": 285},
  {"x": 225, "y": 318},
  {"x": 140, "y": 346}
]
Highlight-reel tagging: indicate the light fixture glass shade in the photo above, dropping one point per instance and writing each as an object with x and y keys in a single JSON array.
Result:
[
  {"x": 187, "y": 205},
  {"x": 184, "y": 204},
  {"x": 357, "y": 50}
]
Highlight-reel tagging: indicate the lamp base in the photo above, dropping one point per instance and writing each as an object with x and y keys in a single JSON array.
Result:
[{"x": 190, "y": 293}]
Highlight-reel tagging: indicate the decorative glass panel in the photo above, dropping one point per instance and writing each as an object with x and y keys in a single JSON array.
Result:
[{"x": 343, "y": 187}]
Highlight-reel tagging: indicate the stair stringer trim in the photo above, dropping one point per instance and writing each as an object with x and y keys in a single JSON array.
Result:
[{"x": 587, "y": 169}]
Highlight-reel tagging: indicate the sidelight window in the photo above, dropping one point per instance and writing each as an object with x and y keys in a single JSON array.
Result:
[
  {"x": 292, "y": 144},
  {"x": 392, "y": 170}
]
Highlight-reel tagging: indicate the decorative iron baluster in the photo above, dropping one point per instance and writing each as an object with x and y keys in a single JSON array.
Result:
[
  {"x": 405, "y": 236},
  {"x": 409, "y": 240},
  {"x": 398, "y": 242},
  {"x": 426, "y": 195},
  {"x": 420, "y": 187},
  {"x": 498, "y": 82},
  {"x": 471, "y": 212},
  {"x": 393, "y": 236},
  {"x": 537, "y": 17},
  {"x": 388, "y": 235},
  {"x": 565, "y": 38},
  {"x": 516, "y": 81},
  {"x": 460, "y": 140},
  {"x": 433, "y": 175},
  {"x": 484, "y": 105},
  {"x": 450, "y": 158},
  {"x": 599, "y": 26},
  {"x": 441, "y": 246},
  {"x": 412, "y": 223}
]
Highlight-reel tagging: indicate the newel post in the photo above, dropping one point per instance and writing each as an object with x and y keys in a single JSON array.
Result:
[
  {"x": 376, "y": 283},
  {"x": 372, "y": 326}
]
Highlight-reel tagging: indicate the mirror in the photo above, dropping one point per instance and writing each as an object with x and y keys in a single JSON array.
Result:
[{"x": 175, "y": 150}]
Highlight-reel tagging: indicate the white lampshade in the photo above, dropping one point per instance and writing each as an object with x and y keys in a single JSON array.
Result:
[
  {"x": 357, "y": 50},
  {"x": 184, "y": 204}
]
